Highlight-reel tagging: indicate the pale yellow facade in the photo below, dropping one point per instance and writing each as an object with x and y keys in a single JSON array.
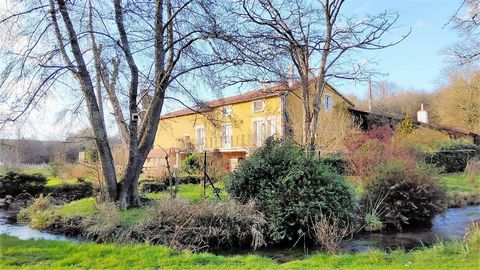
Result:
[
  {"x": 236, "y": 129},
  {"x": 294, "y": 105},
  {"x": 182, "y": 131}
]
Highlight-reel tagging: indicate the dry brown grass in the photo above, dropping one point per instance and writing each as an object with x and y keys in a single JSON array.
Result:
[
  {"x": 77, "y": 171},
  {"x": 183, "y": 225},
  {"x": 107, "y": 225},
  {"x": 40, "y": 214},
  {"x": 473, "y": 170},
  {"x": 331, "y": 233}
]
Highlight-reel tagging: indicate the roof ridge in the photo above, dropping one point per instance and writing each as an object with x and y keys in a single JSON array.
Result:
[{"x": 247, "y": 96}]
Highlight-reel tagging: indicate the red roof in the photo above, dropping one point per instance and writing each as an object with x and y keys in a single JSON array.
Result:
[
  {"x": 156, "y": 153},
  {"x": 248, "y": 96}
]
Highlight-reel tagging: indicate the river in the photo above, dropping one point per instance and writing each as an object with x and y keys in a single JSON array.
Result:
[
  {"x": 24, "y": 232},
  {"x": 451, "y": 225}
]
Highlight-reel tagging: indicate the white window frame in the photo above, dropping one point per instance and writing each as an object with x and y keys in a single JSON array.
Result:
[
  {"x": 227, "y": 111},
  {"x": 259, "y": 140},
  {"x": 330, "y": 103},
  {"x": 263, "y": 105},
  {"x": 201, "y": 145},
  {"x": 271, "y": 129},
  {"x": 226, "y": 139}
]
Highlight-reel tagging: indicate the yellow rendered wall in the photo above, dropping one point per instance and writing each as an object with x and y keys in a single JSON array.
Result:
[
  {"x": 295, "y": 109},
  {"x": 172, "y": 130}
]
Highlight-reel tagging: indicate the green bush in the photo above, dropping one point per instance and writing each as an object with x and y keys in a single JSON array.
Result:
[
  {"x": 192, "y": 164},
  {"x": 183, "y": 180},
  {"x": 292, "y": 191},
  {"x": 406, "y": 126},
  {"x": 13, "y": 184},
  {"x": 453, "y": 155},
  {"x": 338, "y": 164},
  {"x": 53, "y": 169},
  {"x": 151, "y": 186},
  {"x": 372, "y": 222},
  {"x": 66, "y": 193},
  {"x": 403, "y": 195}
]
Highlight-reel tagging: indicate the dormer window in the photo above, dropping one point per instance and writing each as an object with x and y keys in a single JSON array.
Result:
[
  {"x": 258, "y": 105},
  {"x": 227, "y": 110}
]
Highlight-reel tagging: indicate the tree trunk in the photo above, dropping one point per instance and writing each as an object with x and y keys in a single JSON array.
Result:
[
  {"x": 95, "y": 117},
  {"x": 306, "y": 113},
  {"x": 128, "y": 195},
  {"x": 320, "y": 80},
  {"x": 320, "y": 86}
]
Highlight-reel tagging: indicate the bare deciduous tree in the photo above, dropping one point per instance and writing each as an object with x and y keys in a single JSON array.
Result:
[
  {"x": 458, "y": 102},
  {"x": 136, "y": 51},
  {"x": 336, "y": 130},
  {"x": 317, "y": 38},
  {"x": 466, "y": 21}
]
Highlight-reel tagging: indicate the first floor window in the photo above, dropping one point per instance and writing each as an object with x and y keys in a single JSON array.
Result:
[
  {"x": 272, "y": 127},
  {"x": 227, "y": 136},
  {"x": 201, "y": 138},
  {"x": 259, "y": 132}
]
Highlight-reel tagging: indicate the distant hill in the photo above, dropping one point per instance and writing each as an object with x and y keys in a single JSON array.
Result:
[{"x": 37, "y": 152}]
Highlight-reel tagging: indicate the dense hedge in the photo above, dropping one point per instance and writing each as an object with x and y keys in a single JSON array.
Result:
[
  {"x": 151, "y": 186},
  {"x": 185, "y": 179},
  {"x": 338, "y": 164},
  {"x": 70, "y": 192},
  {"x": 291, "y": 190},
  {"x": 13, "y": 184},
  {"x": 453, "y": 156}
]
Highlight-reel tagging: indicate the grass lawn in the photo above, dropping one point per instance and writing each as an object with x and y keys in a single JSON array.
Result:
[
  {"x": 458, "y": 182},
  {"x": 42, "y": 254},
  {"x": 51, "y": 180},
  {"x": 88, "y": 206},
  {"x": 194, "y": 192},
  {"x": 82, "y": 207},
  {"x": 57, "y": 181},
  {"x": 41, "y": 171}
]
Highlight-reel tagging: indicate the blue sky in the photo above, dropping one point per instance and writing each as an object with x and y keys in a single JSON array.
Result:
[{"x": 417, "y": 62}]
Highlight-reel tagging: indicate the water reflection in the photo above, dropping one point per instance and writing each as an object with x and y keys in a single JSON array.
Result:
[
  {"x": 24, "y": 232},
  {"x": 444, "y": 227}
]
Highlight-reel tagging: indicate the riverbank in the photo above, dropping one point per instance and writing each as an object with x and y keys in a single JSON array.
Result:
[
  {"x": 448, "y": 227},
  {"x": 67, "y": 219},
  {"x": 15, "y": 252},
  {"x": 42, "y": 254}
]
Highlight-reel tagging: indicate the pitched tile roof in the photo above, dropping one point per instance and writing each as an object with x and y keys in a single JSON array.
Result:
[
  {"x": 247, "y": 96},
  {"x": 445, "y": 129}
]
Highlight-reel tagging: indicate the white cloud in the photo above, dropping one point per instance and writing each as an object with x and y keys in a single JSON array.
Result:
[{"x": 420, "y": 24}]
